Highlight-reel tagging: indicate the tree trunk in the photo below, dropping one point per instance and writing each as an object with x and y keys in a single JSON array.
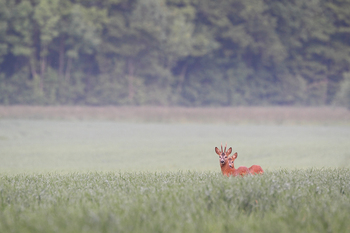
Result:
[
  {"x": 61, "y": 58},
  {"x": 42, "y": 73},
  {"x": 69, "y": 64},
  {"x": 131, "y": 79},
  {"x": 182, "y": 78},
  {"x": 32, "y": 67}
]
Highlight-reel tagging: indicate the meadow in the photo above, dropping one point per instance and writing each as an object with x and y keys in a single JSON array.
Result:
[
  {"x": 137, "y": 170},
  {"x": 312, "y": 200}
]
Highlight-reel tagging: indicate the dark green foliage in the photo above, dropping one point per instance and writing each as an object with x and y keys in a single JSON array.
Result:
[
  {"x": 315, "y": 200},
  {"x": 173, "y": 52}
]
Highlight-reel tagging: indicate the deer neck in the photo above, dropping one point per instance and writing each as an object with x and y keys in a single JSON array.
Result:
[
  {"x": 232, "y": 170},
  {"x": 225, "y": 168}
]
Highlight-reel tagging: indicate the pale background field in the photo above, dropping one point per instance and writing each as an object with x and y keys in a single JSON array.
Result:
[{"x": 55, "y": 144}]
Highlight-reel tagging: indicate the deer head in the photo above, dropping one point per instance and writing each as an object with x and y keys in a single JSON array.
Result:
[
  {"x": 223, "y": 154},
  {"x": 231, "y": 160}
]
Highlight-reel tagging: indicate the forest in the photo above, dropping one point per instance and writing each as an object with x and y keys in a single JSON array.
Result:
[{"x": 175, "y": 52}]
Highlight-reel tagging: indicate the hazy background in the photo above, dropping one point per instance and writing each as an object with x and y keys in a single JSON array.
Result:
[{"x": 175, "y": 52}]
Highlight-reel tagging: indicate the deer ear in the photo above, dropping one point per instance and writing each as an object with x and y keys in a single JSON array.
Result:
[
  {"x": 217, "y": 151},
  {"x": 234, "y": 156},
  {"x": 229, "y": 151}
]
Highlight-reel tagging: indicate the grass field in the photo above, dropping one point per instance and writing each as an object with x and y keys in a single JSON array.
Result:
[
  {"x": 65, "y": 146},
  {"x": 79, "y": 172},
  {"x": 236, "y": 115},
  {"x": 315, "y": 200}
]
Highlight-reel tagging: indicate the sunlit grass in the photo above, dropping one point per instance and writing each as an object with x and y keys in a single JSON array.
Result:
[{"x": 312, "y": 200}]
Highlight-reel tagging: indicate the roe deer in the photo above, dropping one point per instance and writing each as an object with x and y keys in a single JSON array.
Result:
[
  {"x": 223, "y": 155},
  {"x": 255, "y": 169},
  {"x": 239, "y": 171}
]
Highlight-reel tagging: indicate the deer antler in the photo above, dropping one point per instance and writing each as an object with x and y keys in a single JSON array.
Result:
[
  {"x": 225, "y": 147},
  {"x": 221, "y": 148}
]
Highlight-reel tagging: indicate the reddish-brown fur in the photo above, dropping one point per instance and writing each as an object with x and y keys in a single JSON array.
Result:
[
  {"x": 255, "y": 169},
  {"x": 241, "y": 171},
  {"x": 223, "y": 155},
  {"x": 227, "y": 164}
]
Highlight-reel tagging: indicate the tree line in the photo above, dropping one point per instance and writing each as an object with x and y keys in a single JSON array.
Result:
[{"x": 175, "y": 52}]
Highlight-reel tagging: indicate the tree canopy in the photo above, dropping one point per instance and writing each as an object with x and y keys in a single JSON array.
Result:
[{"x": 174, "y": 52}]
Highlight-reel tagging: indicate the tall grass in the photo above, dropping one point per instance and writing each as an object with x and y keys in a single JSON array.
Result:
[{"x": 314, "y": 200}]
